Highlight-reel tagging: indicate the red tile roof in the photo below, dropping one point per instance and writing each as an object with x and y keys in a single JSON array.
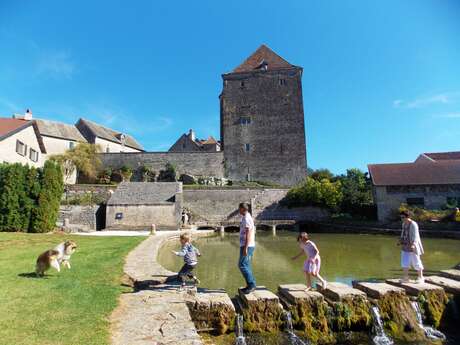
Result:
[
  {"x": 9, "y": 125},
  {"x": 263, "y": 55},
  {"x": 440, "y": 156},
  {"x": 403, "y": 174}
]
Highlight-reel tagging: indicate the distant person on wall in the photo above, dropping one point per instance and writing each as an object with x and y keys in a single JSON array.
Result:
[
  {"x": 312, "y": 264},
  {"x": 411, "y": 248},
  {"x": 247, "y": 245}
]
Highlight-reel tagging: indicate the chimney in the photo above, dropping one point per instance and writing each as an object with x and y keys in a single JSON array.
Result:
[
  {"x": 26, "y": 116},
  {"x": 191, "y": 134}
]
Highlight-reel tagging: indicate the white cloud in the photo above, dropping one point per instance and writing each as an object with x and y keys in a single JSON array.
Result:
[
  {"x": 56, "y": 64},
  {"x": 422, "y": 102}
]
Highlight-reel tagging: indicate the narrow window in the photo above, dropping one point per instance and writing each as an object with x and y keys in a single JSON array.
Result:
[
  {"x": 33, "y": 155},
  {"x": 245, "y": 120},
  {"x": 107, "y": 150},
  {"x": 247, "y": 147},
  {"x": 21, "y": 148},
  {"x": 71, "y": 145},
  {"x": 282, "y": 81},
  {"x": 242, "y": 84}
]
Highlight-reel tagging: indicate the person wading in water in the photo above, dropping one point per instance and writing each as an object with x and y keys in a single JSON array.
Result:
[{"x": 247, "y": 245}]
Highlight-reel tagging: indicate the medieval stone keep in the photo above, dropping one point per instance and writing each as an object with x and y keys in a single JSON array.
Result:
[
  {"x": 262, "y": 120},
  {"x": 262, "y": 129}
]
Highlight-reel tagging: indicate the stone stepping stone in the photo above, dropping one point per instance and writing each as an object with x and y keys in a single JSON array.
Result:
[
  {"x": 337, "y": 292},
  {"x": 260, "y": 294},
  {"x": 378, "y": 290},
  {"x": 414, "y": 289},
  {"x": 452, "y": 274},
  {"x": 295, "y": 293},
  {"x": 450, "y": 285}
]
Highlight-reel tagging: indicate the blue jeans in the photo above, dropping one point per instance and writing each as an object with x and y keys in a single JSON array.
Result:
[{"x": 244, "y": 264}]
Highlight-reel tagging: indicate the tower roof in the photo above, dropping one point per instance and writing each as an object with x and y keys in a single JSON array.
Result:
[{"x": 263, "y": 57}]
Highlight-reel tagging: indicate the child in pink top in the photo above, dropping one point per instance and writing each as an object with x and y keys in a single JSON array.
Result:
[{"x": 312, "y": 264}]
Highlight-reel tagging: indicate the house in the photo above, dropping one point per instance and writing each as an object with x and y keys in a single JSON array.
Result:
[
  {"x": 58, "y": 137},
  {"x": 109, "y": 140},
  {"x": 20, "y": 142},
  {"x": 189, "y": 143},
  {"x": 432, "y": 181},
  {"x": 138, "y": 205}
]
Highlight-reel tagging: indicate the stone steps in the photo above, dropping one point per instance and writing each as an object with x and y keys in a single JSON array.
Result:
[
  {"x": 414, "y": 289},
  {"x": 449, "y": 285},
  {"x": 337, "y": 292},
  {"x": 378, "y": 290},
  {"x": 452, "y": 273}
]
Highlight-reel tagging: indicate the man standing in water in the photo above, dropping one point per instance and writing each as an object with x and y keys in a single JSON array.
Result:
[
  {"x": 247, "y": 245},
  {"x": 411, "y": 248}
]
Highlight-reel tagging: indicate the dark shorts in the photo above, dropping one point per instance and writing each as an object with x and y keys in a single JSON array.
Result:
[{"x": 186, "y": 272}]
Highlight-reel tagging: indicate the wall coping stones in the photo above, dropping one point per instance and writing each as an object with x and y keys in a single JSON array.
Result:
[
  {"x": 414, "y": 289},
  {"x": 452, "y": 273},
  {"x": 261, "y": 294},
  {"x": 378, "y": 290},
  {"x": 338, "y": 291},
  {"x": 450, "y": 285}
]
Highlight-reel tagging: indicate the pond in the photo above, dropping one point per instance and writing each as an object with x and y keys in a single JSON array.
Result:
[{"x": 345, "y": 257}]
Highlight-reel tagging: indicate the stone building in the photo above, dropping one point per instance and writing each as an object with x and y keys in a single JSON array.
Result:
[
  {"x": 140, "y": 204},
  {"x": 432, "y": 181},
  {"x": 262, "y": 120},
  {"x": 189, "y": 143},
  {"x": 109, "y": 139}
]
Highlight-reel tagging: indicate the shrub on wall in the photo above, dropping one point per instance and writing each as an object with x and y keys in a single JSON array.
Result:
[
  {"x": 169, "y": 174},
  {"x": 421, "y": 214},
  {"x": 312, "y": 192},
  {"x": 45, "y": 214}
]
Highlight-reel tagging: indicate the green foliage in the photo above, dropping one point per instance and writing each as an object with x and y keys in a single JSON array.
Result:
[
  {"x": 312, "y": 192},
  {"x": 44, "y": 216},
  {"x": 105, "y": 176},
  {"x": 82, "y": 157},
  {"x": 357, "y": 194},
  {"x": 421, "y": 214},
  {"x": 86, "y": 199},
  {"x": 321, "y": 174},
  {"x": 126, "y": 172},
  {"x": 169, "y": 174},
  {"x": 147, "y": 174}
]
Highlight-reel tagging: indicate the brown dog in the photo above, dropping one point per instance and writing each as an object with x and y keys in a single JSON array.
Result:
[{"x": 45, "y": 261}]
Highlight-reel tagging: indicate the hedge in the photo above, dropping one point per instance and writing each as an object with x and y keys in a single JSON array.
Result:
[{"x": 30, "y": 197}]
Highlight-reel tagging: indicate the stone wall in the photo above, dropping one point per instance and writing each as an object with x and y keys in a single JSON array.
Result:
[
  {"x": 217, "y": 205},
  {"x": 388, "y": 199},
  {"x": 194, "y": 163},
  {"x": 142, "y": 216},
  {"x": 264, "y": 110},
  {"x": 81, "y": 218},
  {"x": 99, "y": 193}
]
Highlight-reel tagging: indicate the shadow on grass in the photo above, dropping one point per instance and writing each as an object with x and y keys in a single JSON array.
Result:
[{"x": 33, "y": 275}]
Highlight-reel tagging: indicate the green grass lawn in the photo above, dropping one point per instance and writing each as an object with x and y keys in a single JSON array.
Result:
[{"x": 71, "y": 307}]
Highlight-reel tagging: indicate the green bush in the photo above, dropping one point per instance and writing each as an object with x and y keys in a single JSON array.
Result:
[
  {"x": 45, "y": 214},
  {"x": 169, "y": 174},
  {"x": 29, "y": 197},
  {"x": 126, "y": 172},
  {"x": 311, "y": 192},
  {"x": 421, "y": 214}
]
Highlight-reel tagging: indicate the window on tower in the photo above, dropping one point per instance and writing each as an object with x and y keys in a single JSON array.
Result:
[
  {"x": 282, "y": 81},
  {"x": 247, "y": 147},
  {"x": 242, "y": 84},
  {"x": 245, "y": 120}
]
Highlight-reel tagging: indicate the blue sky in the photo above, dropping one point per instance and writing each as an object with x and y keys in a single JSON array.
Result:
[{"x": 381, "y": 80}]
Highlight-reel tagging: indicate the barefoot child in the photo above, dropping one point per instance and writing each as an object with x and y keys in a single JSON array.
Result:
[
  {"x": 190, "y": 254},
  {"x": 312, "y": 264}
]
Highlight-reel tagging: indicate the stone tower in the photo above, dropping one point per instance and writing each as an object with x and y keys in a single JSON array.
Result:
[{"x": 262, "y": 120}]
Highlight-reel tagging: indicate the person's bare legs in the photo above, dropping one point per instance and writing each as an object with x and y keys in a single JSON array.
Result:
[
  {"x": 308, "y": 278},
  {"x": 321, "y": 279},
  {"x": 405, "y": 275}
]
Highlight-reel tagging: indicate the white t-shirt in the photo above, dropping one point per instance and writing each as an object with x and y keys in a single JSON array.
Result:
[{"x": 247, "y": 222}]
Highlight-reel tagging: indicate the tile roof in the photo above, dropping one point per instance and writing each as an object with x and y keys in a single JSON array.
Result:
[
  {"x": 59, "y": 130},
  {"x": 8, "y": 126},
  {"x": 439, "y": 156},
  {"x": 145, "y": 193},
  {"x": 263, "y": 55},
  {"x": 110, "y": 134},
  {"x": 402, "y": 174},
  {"x": 209, "y": 141}
]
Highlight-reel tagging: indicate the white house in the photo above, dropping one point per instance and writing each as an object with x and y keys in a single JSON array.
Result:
[
  {"x": 20, "y": 142},
  {"x": 108, "y": 139}
]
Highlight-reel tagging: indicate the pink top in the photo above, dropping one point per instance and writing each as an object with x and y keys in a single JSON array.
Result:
[{"x": 309, "y": 248}]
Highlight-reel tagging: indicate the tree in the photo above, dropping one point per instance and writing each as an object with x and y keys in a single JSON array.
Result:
[
  {"x": 44, "y": 216},
  {"x": 82, "y": 158},
  {"x": 312, "y": 192},
  {"x": 169, "y": 174},
  {"x": 356, "y": 188},
  {"x": 11, "y": 183},
  {"x": 321, "y": 174}
]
